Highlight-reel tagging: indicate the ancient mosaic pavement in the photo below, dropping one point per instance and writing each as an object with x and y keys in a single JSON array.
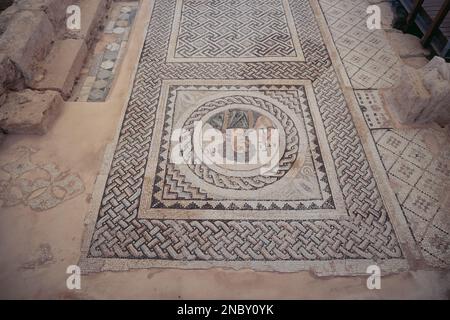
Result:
[
  {"x": 23, "y": 181},
  {"x": 366, "y": 54},
  {"x": 253, "y": 64},
  {"x": 417, "y": 161}
]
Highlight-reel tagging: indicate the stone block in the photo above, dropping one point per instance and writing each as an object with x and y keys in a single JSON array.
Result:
[
  {"x": 407, "y": 45},
  {"x": 2, "y": 137},
  {"x": 6, "y": 16},
  {"x": 27, "y": 40},
  {"x": 10, "y": 76},
  {"x": 54, "y": 9},
  {"x": 423, "y": 95},
  {"x": 62, "y": 66},
  {"x": 29, "y": 112},
  {"x": 416, "y": 62}
]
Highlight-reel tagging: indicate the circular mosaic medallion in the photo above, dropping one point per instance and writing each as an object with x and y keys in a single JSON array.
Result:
[{"x": 244, "y": 142}]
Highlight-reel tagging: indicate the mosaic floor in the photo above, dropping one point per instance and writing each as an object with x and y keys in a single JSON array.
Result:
[
  {"x": 420, "y": 175},
  {"x": 366, "y": 54},
  {"x": 417, "y": 161},
  {"x": 264, "y": 63}
]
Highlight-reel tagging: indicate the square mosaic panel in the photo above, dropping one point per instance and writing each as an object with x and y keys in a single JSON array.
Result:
[
  {"x": 321, "y": 210},
  {"x": 244, "y": 30},
  {"x": 305, "y": 185}
]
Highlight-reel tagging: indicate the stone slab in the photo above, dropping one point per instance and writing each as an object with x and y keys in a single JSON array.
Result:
[
  {"x": 29, "y": 112},
  {"x": 54, "y": 9},
  {"x": 6, "y": 16},
  {"x": 62, "y": 66},
  {"x": 27, "y": 40},
  {"x": 407, "y": 45},
  {"x": 9, "y": 75},
  {"x": 416, "y": 62},
  {"x": 422, "y": 95}
]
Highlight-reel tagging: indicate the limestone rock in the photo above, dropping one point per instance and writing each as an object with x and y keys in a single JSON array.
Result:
[
  {"x": 10, "y": 76},
  {"x": 2, "y": 137},
  {"x": 407, "y": 100},
  {"x": 27, "y": 40},
  {"x": 437, "y": 81},
  {"x": 62, "y": 66},
  {"x": 416, "y": 62},
  {"x": 423, "y": 95},
  {"x": 5, "y": 73},
  {"x": 54, "y": 9},
  {"x": 6, "y": 16},
  {"x": 93, "y": 12},
  {"x": 407, "y": 45},
  {"x": 29, "y": 112},
  {"x": 3, "y": 98}
]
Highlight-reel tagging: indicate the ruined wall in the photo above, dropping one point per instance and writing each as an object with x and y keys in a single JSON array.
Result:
[
  {"x": 422, "y": 95},
  {"x": 40, "y": 59}
]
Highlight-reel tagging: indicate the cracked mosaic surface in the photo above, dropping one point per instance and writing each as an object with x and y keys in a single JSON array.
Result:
[
  {"x": 131, "y": 229},
  {"x": 39, "y": 186}
]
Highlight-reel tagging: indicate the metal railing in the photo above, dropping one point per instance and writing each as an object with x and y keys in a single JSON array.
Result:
[{"x": 430, "y": 30}]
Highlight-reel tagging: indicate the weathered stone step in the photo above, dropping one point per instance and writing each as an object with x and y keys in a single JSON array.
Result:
[
  {"x": 27, "y": 40},
  {"x": 62, "y": 66},
  {"x": 29, "y": 112},
  {"x": 54, "y": 9}
]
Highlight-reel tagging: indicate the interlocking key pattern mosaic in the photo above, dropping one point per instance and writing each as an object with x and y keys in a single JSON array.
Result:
[
  {"x": 323, "y": 207},
  {"x": 250, "y": 30}
]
